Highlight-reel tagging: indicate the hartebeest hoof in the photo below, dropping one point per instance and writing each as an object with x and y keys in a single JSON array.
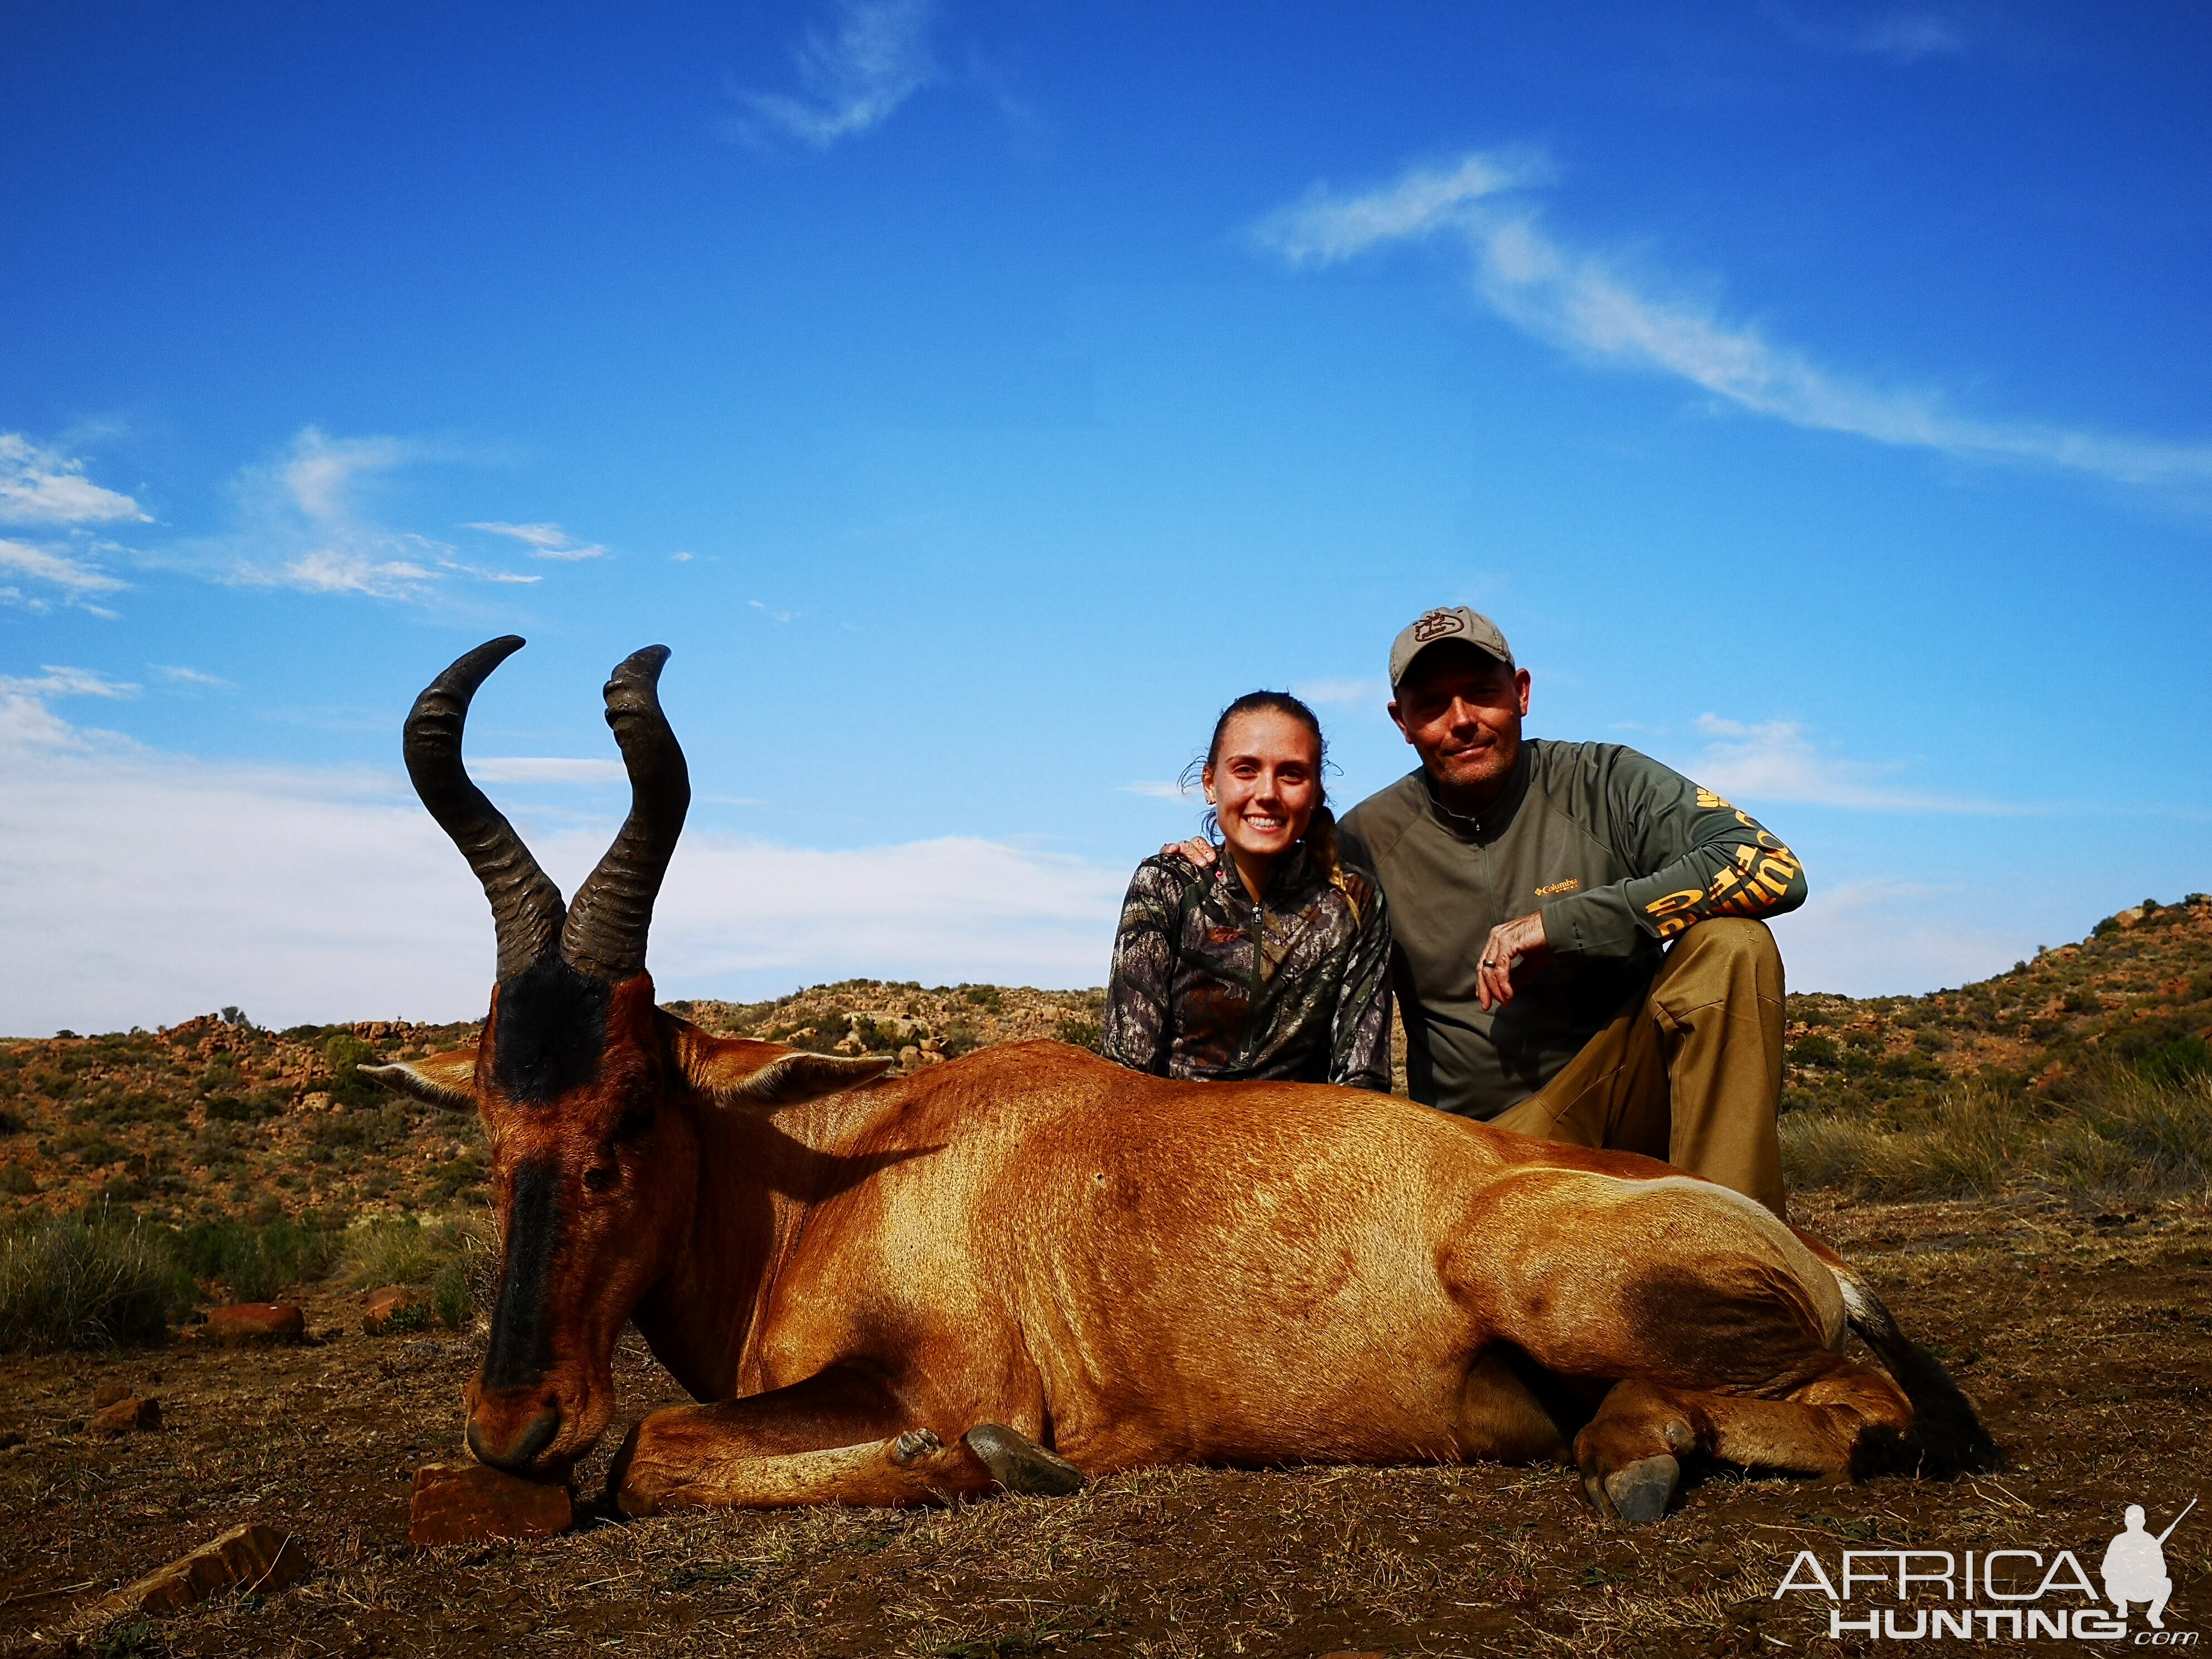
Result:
[
  {"x": 1640, "y": 1493},
  {"x": 913, "y": 1444},
  {"x": 1019, "y": 1464}
]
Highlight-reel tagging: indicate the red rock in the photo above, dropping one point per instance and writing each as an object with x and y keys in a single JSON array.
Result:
[
  {"x": 105, "y": 1395},
  {"x": 255, "y": 1321},
  {"x": 467, "y": 1503},
  {"x": 257, "y": 1560},
  {"x": 124, "y": 1417},
  {"x": 391, "y": 1308}
]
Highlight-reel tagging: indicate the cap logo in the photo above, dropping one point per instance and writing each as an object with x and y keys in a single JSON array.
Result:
[{"x": 1437, "y": 624}]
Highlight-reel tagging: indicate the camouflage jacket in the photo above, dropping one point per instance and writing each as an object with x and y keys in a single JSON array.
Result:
[{"x": 1206, "y": 984}]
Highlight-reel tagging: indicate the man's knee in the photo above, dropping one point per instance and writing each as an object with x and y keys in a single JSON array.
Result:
[{"x": 1723, "y": 947}]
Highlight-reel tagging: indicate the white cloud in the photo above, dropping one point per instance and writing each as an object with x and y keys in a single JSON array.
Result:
[
  {"x": 545, "y": 768},
  {"x": 176, "y": 675},
  {"x": 41, "y": 486},
  {"x": 1899, "y": 37},
  {"x": 545, "y": 541},
  {"x": 1588, "y": 305},
  {"x": 1157, "y": 789},
  {"x": 871, "y": 60},
  {"x": 1351, "y": 693},
  {"x": 1777, "y": 760},
  {"x": 76, "y": 577},
  {"x": 303, "y": 524},
  {"x": 1890, "y": 938},
  {"x": 139, "y": 888}
]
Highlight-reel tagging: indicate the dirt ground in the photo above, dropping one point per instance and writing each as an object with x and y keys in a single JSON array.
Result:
[{"x": 2085, "y": 1339}]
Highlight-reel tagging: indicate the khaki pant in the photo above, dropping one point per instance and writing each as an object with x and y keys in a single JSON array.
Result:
[{"x": 1690, "y": 1070}]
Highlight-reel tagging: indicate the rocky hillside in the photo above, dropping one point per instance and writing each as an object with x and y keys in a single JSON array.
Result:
[
  {"x": 218, "y": 1117},
  {"x": 2137, "y": 992}
]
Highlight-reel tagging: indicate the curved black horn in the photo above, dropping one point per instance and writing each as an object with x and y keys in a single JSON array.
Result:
[
  {"x": 526, "y": 905},
  {"x": 605, "y": 932}
]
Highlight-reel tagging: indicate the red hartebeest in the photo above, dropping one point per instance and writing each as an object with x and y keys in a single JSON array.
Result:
[{"x": 1027, "y": 1264}]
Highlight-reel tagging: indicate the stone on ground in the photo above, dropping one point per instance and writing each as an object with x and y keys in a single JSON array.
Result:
[
  {"x": 122, "y": 1417},
  {"x": 105, "y": 1395},
  {"x": 394, "y": 1307},
  {"x": 249, "y": 1322},
  {"x": 257, "y": 1560},
  {"x": 467, "y": 1503}
]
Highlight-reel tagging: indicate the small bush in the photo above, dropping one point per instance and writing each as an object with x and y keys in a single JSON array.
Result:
[
  {"x": 1079, "y": 1033},
  {"x": 92, "y": 1279},
  {"x": 989, "y": 998},
  {"x": 396, "y": 1250},
  {"x": 254, "y": 1262},
  {"x": 16, "y": 1181},
  {"x": 343, "y": 1056},
  {"x": 10, "y": 1124}
]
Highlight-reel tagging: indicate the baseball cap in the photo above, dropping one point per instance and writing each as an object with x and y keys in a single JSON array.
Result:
[{"x": 1434, "y": 627}]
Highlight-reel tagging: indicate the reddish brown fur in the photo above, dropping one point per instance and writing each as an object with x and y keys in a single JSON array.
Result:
[{"x": 1131, "y": 1271}]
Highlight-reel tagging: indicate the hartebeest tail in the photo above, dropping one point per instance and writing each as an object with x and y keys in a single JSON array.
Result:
[
  {"x": 1947, "y": 1438},
  {"x": 1027, "y": 1265}
]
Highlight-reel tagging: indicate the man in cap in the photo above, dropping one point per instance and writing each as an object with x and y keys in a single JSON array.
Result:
[{"x": 1576, "y": 947}]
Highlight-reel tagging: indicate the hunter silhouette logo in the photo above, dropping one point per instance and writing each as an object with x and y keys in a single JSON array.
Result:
[
  {"x": 2023, "y": 1594},
  {"x": 2134, "y": 1566}
]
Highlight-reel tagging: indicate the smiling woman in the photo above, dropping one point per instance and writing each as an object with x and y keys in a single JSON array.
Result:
[{"x": 1271, "y": 962}]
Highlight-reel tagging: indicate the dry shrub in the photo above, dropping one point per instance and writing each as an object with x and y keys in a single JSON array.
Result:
[
  {"x": 457, "y": 1259},
  {"x": 89, "y": 1280},
  {"x": 2123, "y": 1133}
]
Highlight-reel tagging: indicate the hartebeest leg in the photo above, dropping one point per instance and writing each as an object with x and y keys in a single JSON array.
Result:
[
  {"x": 835, "y": 1439},
  {"x": 1630, "y": 1452}
]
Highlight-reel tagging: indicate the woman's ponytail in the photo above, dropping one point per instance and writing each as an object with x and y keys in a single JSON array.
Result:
[{"x": 1321, "y": 843}]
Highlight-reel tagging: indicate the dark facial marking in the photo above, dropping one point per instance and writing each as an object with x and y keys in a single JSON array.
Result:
[
  {"x": 521, "y": 1346},
  {"x": 552, "y": 1030}
]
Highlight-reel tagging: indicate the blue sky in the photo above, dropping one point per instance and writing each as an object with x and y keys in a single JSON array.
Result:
[{"x": 977, "y": 396}]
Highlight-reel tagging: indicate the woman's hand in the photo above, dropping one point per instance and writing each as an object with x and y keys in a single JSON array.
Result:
[
  {"x": 1514, "y": 947},
  {"x": 1197, "y": 849}
]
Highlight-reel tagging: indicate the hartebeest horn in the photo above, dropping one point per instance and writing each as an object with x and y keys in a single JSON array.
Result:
[
  {"x": 526, "y": 905},
  {"x": 605, "y": 932}
]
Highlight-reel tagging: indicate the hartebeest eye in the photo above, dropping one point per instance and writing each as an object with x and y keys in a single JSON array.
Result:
[{"x": 600, "y": 1176}]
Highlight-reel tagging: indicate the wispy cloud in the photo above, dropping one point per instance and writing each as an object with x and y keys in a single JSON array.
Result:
[
  {"x": 305, "y": 521},
  {"x": 1345, "y": 693},
  {"x": 1157, "y": 789},
  {"x": 544, "y": 541},
  {"x": 42, "y": 486},
  {"x": 28, "y": 724},
  {"x": 871, "y": 58},
  {"x": 73, "y": 578},
  {"x": 173, "y": 674},
  {"x": 1898, "y": 36},
  {"x": 39, "y": 485},
  {"x": 1778, "y": 761},
  {"x": 546, "y": 768},
  {"x": 1590, "y": 305}
]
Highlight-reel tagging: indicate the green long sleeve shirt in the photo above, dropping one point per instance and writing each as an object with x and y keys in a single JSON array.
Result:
[{"x": 1618, "y": 852}]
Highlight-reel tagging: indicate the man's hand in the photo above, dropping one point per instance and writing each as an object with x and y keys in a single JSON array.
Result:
[
  {"x": 1514, "y": 946},
  {"x": 1197, "y": 849}
]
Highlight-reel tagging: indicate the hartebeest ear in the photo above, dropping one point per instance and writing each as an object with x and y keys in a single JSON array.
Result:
[
  {"x": 742, "y": 1071},
  {"x": 448, "y": 1079}
]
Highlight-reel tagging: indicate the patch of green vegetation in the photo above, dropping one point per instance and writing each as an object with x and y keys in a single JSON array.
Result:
[
  {"x": 92, "y": 1279},
  {"x": 253, "y": 1260},
  {"x": 343, "y": 1057},
  {"x": 1079, "y": 1033}
]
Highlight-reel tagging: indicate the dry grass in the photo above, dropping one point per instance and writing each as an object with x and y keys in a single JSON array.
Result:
[
  {"x": 87, "y": 1281},
  {"x": 2122, "y": 1134}
]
